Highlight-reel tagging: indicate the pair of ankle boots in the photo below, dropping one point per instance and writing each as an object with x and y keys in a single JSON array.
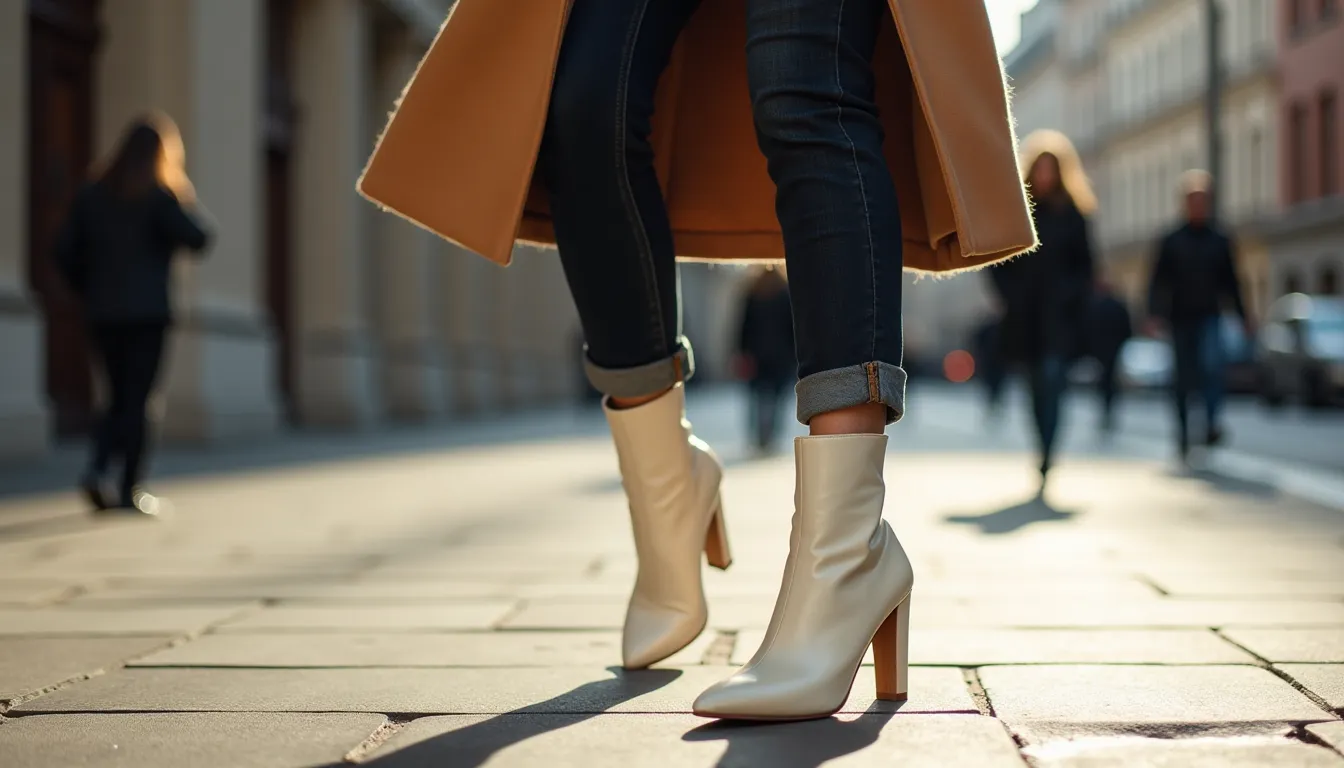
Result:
[{"x": 846, "y": 582}]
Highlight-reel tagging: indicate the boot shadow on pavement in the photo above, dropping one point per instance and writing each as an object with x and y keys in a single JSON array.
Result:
[
  {"x": 1013, "y": 518},
  {"x": 805, "y": 744},
  {"x": 473, "y": 745}
]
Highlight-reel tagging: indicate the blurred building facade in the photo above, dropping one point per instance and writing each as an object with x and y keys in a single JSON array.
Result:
[
  {"x": 1307, "y": 241},
  {"x": 1135, "y": 74},
  {"x": 313, "y": 308}
]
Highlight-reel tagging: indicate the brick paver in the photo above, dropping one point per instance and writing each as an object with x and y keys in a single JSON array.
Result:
[{"x": 431, "y": 603}]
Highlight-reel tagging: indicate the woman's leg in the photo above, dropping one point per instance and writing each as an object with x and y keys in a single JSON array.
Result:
[
  {"x": 847, "y": 580},
  {"x": 611, "y": 223},
  {"x": 143, "y": 358},
  {"x": 812, "y": 91},
  {"x": 616, "y": 245},
  {"x": 1047, "y": 392},
  {"x": 107, "y": 438}
]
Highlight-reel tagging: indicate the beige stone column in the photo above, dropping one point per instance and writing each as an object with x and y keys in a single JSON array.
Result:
[
  {"x": 335, "y": 379},
  {"x": 406, "y": 275},
  {"x": 483, "y": 386},
  {"x": 515, "y": 329},
  {"x": 453, "y": 318},
  {"x": 555, "y": 344},
  {"x": 23, "y": 413},
  {"x": 200, "y": 61}
]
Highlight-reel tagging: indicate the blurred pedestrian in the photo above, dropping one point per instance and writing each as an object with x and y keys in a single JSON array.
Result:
[
  {"x": 989, "y": 367},
  {"x": 1194, "y": 279},
  {"x": 824, "y": 200},
  {"x": 114, "y": 250},
  {"x": 1045, "y": 294},
  {"x": 1109, "y": 327},
  {"x": 765, "y": 352}
]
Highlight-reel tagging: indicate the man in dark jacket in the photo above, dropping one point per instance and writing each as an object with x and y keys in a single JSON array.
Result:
[
  {"x": 765, "y": 352},
  {"x": 1109, "y": 328},
  {"x": 1194, "y": 278}
]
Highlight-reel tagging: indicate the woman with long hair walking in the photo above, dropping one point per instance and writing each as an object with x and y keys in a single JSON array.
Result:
[
  {"x": 115, "y": 250},
  {"x": 1046, "y": 297},
  {"x": 631, "y": 132}
]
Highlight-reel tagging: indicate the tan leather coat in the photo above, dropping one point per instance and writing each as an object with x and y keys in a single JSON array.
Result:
[{"x": 459, "y": 154}]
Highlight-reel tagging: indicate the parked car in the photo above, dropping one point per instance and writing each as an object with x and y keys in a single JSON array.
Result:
[
  {"x": 1146, "y": 363},
  {"x": 1302, "y": 346}
]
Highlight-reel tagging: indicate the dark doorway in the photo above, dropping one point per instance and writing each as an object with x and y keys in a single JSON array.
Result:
[
  {"x": 280, "y": 119},
  {"x": 62, "y": 41}
]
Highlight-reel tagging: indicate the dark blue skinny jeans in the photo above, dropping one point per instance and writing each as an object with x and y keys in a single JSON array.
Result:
[{"x": 812, "y": 94}]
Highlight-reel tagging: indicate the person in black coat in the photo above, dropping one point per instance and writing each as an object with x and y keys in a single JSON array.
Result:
[
  {"x": 1109, "y": 327},
  {"x": 765, "y": 352},
  {"x": 1045, "y": 294},
  {"x": 1194, "y": 280},
  {"x": 115, "y": 250}
]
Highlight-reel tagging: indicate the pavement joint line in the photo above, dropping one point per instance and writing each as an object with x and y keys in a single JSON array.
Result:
[
  {"x": 719, "y": 652},
  {"x": 173, "y": 642},
  {"x": 1266, "y": 664},
  {"x": 380, "y": 736},
  {"x": 977, "y": 691},
  {"x": 1148, "y": 582},
  {"x": 516, "y": 609},
  {"x": 1302, "y": 734},
  {"x": 7, "y": 705}
]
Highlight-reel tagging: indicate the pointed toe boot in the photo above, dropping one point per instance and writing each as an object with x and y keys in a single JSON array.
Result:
[
  {"x": 846, "y": 587},
  {"x": 671, "y": 479}
]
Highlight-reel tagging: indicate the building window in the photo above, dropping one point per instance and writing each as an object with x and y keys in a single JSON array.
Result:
[
  {"x": 1297, "y": 16},
  {"x": 1329, "y": 138},
  {"x": 1297, "y": 153},
  {"x": 1329, "y": 282}
]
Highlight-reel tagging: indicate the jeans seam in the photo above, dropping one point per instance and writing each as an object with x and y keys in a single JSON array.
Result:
[
  {"x": 632, "y": 215},
  {"x": 858, "y": 173}
]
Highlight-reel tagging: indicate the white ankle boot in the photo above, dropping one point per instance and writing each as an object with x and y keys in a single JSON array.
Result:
[
  {"x": 671, "y": 479},
  {"x": 846, "y": 586}
]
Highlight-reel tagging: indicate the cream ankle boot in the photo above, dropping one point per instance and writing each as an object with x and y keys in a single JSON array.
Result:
[
  {"x": 846, "y": 586},
  {"x": 671, "y": 479}
]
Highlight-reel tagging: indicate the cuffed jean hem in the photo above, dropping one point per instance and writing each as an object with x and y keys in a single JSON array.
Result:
[
  {"x": 854, "y": 385},
  {"x": 645, "y": 379}
]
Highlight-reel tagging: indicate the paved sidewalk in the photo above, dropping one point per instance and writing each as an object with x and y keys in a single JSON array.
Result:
[{"x": 436, "y": 604}]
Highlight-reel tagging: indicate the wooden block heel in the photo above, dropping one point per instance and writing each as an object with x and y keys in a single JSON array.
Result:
[
  {"x": 716, "y": 541},
  {"x": 891, "y": 654}
]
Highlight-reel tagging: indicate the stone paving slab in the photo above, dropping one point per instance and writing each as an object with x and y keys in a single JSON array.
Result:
[
  {"x": 29, "y": 664},
  {"x": 33, "y": 591},
  {"x": 1330, "y": 733},
  {"x": 1300, "y": 645},
  {"x": 1324, "y": 680},
  {"x": 423, "y": 618},
  {"x": 980, "y": 647},
  {"x": 1132, "y": 752},
  {"x": 550, "y": 690},
  {"x": 609, "y": 613},
  {"x": 170, "y": 566},
  {"x": 288, "y": 591},
  {"x": 681, "y": 741},
  {"x": 61, "y": 620},
  {"x": 467, "y": 649},
  {"x": 513, "y": 568},
  {"x": 1153, "y": 613},
  {"x": 244, "y": 740},
  {"x": 1186, "y": 585},
  {"x": 1042, "y": 702}
]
